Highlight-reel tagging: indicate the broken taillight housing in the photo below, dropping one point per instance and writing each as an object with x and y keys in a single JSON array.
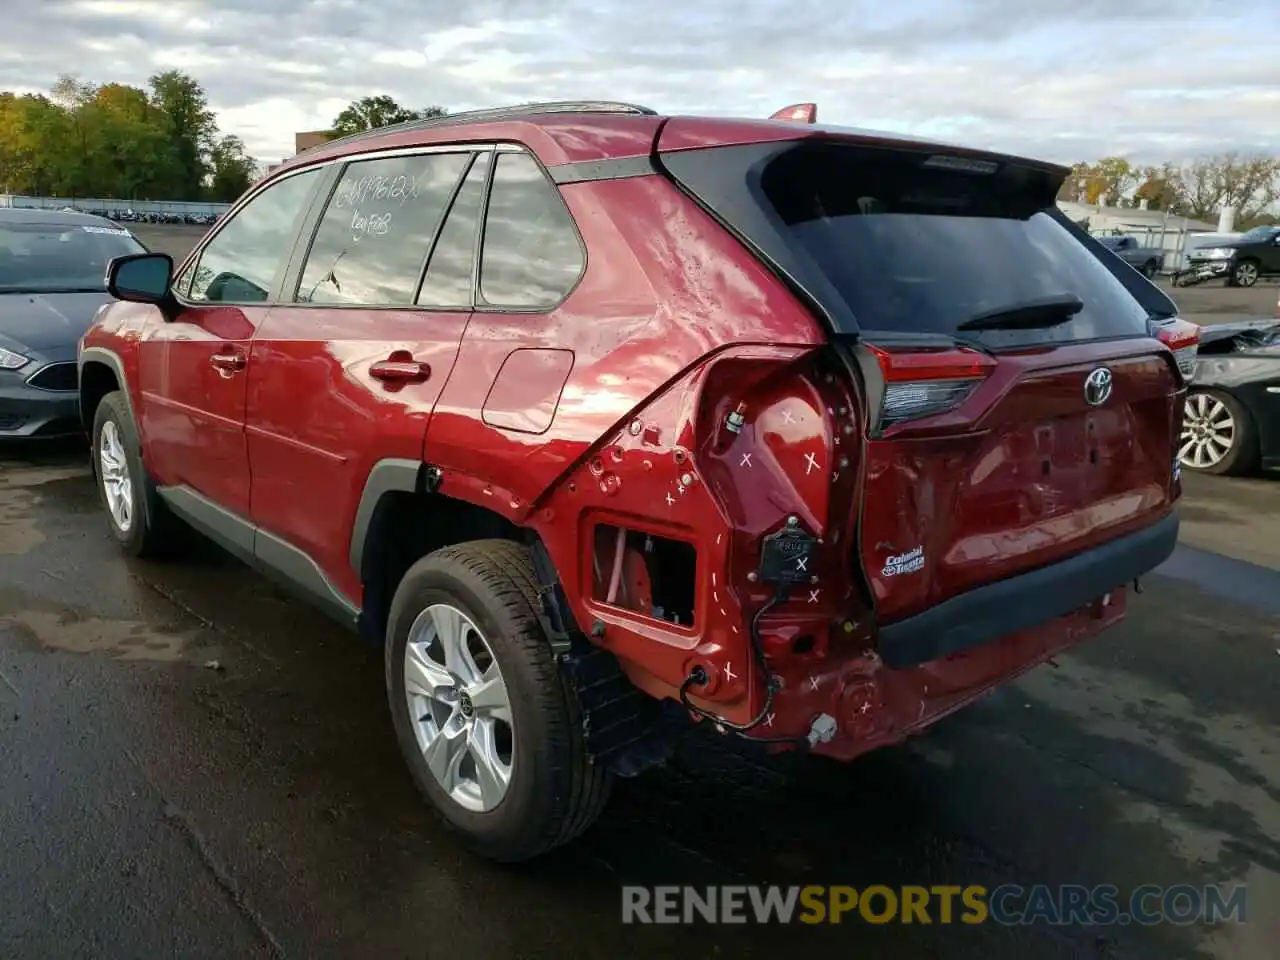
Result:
[
  {"x": 1183, "y": 338},
  {"x": 921, "y": 383}
]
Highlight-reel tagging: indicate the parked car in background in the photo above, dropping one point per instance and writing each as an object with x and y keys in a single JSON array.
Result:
[
  {"x": 52, "y": 269},
  {"x": 1242, "y": 261},
  {"x": 1231, "y": 423},
  {"x": 1146, "y": 260},
  {"x": 603, "y": 423}
]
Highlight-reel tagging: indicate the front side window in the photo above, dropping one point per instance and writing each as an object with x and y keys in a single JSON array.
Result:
[
  {"x": 40, "y": 256},
  {"x": 531, "y": 256},
  {"x": 240, "y": 263},
  {"x": 373, "y": 239}
]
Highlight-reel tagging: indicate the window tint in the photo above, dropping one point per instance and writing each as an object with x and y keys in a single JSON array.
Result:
[
  {"x": 448, "y": 279},
  {"x": 906, "y": 241},
  {"x": 43, "y": 256},
  {"x": 240, "y": 263},
  {"x": 921, "y": 249},
  {"x": 374, "y": 236},
  {"x": 531, "y": 255}
]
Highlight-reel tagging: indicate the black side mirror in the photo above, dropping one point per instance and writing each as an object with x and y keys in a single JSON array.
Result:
[{"x": 141, "y": 278}]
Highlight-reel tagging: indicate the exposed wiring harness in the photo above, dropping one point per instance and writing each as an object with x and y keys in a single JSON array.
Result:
[{"x": 698, "y": 677}]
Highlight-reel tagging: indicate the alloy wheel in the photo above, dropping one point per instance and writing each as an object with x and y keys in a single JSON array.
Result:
[
  {"x": 1208, "y": 432},
  {"x": 459, "y": 707},
  {"x": 1246, "y": 274},
  {"x": 117, "y": 485}
]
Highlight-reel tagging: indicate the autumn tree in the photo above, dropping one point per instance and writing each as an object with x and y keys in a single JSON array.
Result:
[
  {"x": 369, "y": 113},
  {"x": 120, "y": 141},
  {"x": 231, "y": 169},
  {"x": 1161, "y": 187},
  {"x": 1109, "y": 179},
  {"x": 189, "y": 128},
  {"x": 1250, "y": 184}
]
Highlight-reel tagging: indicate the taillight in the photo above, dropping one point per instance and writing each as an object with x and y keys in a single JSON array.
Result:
[
  {"x": 921, "y": 383},
  {"x": 1183, "y": 338}
]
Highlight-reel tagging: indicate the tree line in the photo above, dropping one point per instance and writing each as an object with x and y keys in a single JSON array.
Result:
[
  {"x": 120, "y": 141},
  {"x": 1199, "y": 189},
  {"x": 162, "y": 142}
]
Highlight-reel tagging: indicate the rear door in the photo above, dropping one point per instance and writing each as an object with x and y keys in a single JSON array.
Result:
[
  {"x": 347, "y": 371},
  {"x": 991, "y": 447}
]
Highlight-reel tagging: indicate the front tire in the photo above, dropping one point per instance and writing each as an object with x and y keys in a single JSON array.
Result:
[
  {"x": 1245, "y": 273},
  {"x": 136, "y": 517},
  {"x": 490, "y": 730},
  {"x": 1218, "y": 435}
]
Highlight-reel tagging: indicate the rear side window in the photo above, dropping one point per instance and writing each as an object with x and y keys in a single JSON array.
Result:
[
  {"x": 912, "y": 245},
  {"x": 372, "y": 242},
  {"x": 531, "y": 255},
  {"x": 449, "y": 273}
]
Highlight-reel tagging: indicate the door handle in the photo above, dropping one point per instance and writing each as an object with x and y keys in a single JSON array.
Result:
[
  {"x": 228, "y": 363},
  {"x": 400, "y": 371}
]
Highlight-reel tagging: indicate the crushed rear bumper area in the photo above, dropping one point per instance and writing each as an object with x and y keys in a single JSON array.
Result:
[{"x": 1027, "y": 600}]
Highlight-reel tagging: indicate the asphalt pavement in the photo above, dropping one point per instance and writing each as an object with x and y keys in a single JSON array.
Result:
[
  {"x": 196, "y": 766},
  {"x": 193, "y": 765}
]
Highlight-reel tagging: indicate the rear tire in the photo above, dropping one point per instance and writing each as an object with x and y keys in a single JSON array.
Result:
[
  {"x": 542, "y": 791},
  {"x": 1218, "y": 435},
  {"x": 1150, "y": 269},
  {"x": 136, "y": 516}
]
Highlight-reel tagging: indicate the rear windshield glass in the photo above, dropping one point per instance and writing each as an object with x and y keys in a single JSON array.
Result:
[
  {"x": 45, "y": 257},
  {"x": 903, "y": 241},
  {"x": 915, "y": 249}
]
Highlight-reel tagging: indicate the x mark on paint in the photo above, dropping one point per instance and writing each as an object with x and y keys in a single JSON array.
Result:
[
  {"x": 811, "y": 462},
  {"x": 745, "y": 461}
]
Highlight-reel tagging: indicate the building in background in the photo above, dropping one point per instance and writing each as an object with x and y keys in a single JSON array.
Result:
[{"x": 1171, "y": 234}]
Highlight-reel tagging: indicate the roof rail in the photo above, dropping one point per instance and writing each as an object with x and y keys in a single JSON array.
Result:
[{"x": 491, "y": 114}]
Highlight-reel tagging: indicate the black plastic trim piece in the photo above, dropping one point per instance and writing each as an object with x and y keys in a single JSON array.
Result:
[
  {"x": 386, "y": 476},
  {"x": 263, "y": 551},
  {"x": 111, "y": 359},
  {"x": 589, "y": 171},
  {"x": 231, "y": 532},
  {"x": 1027, "y": 600}
]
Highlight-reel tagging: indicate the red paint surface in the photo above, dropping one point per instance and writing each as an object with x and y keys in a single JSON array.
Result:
[{"x": 611, "y": 409}]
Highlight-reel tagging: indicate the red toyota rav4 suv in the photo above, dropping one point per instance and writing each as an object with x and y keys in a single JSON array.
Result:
[{"x": 605, "y": 423}]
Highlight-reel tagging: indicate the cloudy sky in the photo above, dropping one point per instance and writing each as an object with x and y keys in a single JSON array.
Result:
[{"x": 1063, "y": 79}]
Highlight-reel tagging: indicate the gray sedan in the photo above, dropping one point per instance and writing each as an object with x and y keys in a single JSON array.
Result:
[{"x": 52, "y": 266}]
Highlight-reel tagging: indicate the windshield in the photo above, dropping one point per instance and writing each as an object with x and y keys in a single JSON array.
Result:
[
  {"x": 919, "y": 249},
  {"x": 902, "y": 241},
  {"x": 1258, "y": 233},
  {"x": 59, "y": 257}
]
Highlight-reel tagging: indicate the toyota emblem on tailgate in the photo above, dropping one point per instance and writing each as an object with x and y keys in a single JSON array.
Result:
[{"x": 1097, "y": 387}]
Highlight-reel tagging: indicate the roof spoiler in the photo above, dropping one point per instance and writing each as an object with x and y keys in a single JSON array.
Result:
[{"x": 798, "y": 113}]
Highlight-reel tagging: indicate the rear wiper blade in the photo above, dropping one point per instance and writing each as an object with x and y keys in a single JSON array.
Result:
[{"x": 1027, "y": 315}]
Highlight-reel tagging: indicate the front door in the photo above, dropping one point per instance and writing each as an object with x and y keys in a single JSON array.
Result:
[
  {"x": 349, "y": 372},
  {"x": 194, "y": 369}
]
